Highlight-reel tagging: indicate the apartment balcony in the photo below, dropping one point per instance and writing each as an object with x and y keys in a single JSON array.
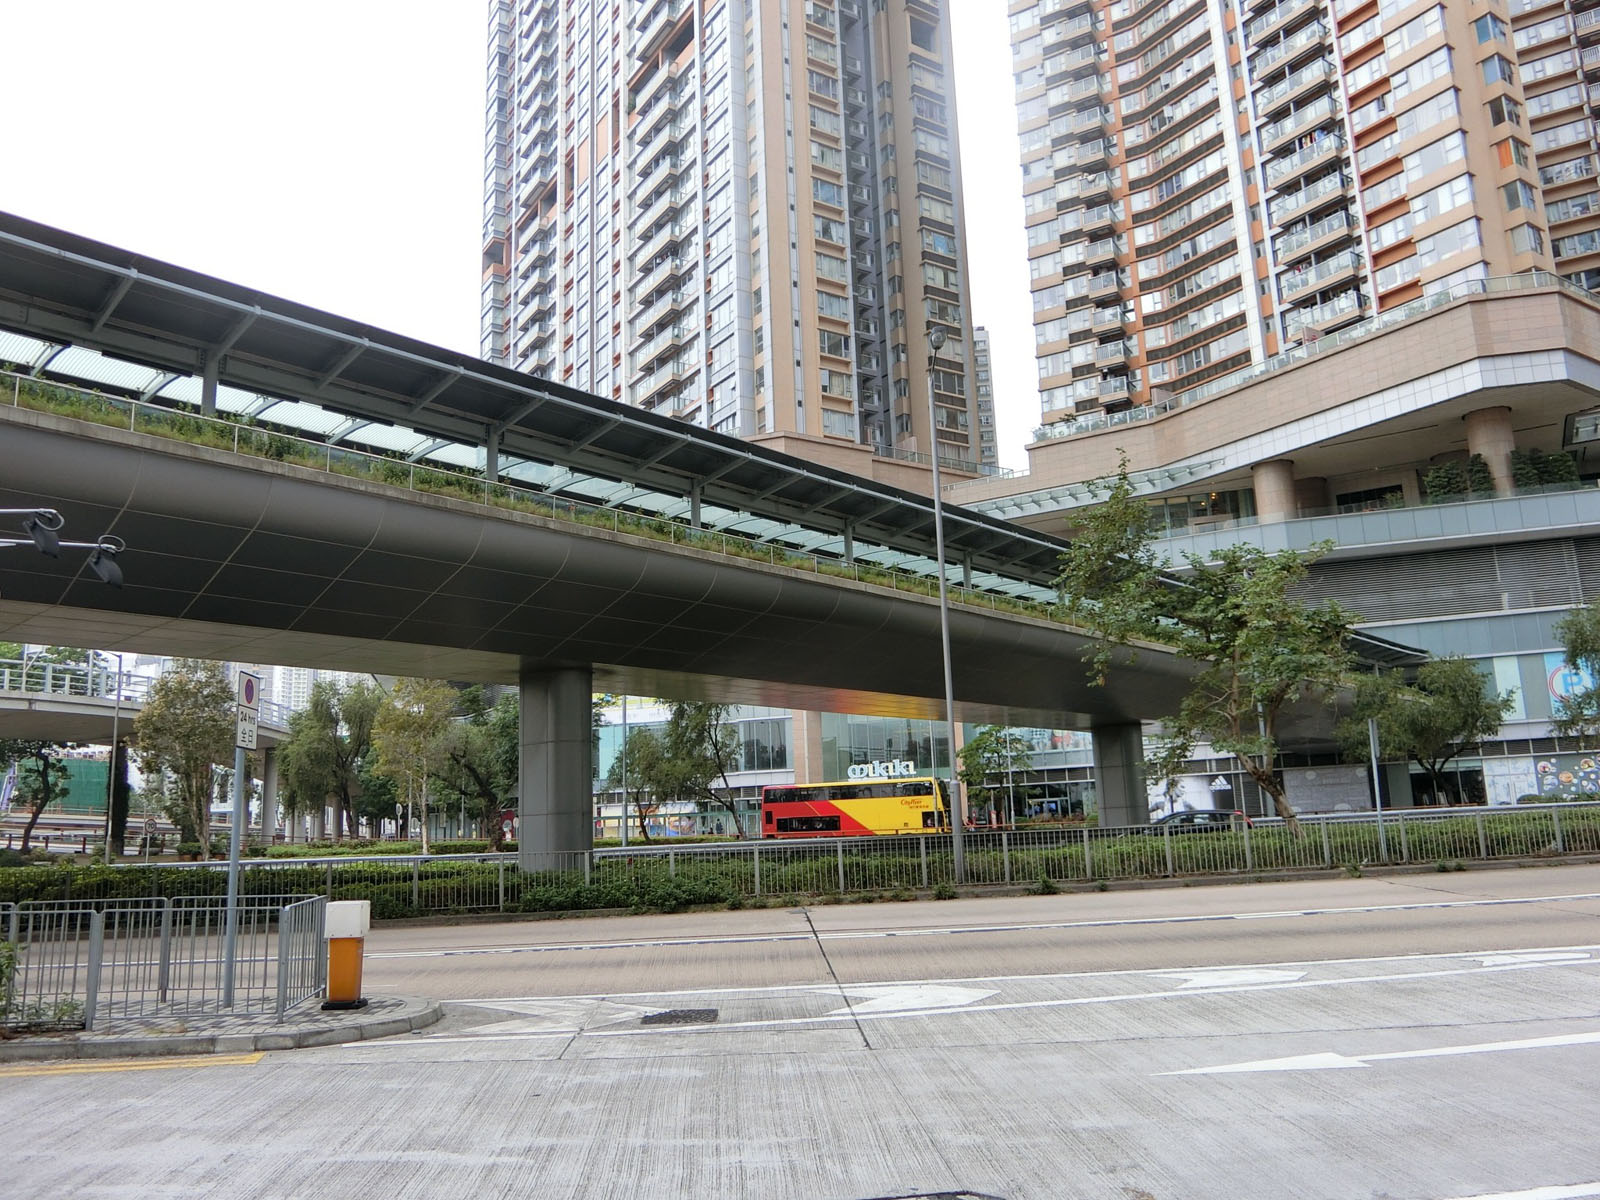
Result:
[
  {"x": 1263, "y": 25},
  {"x": 1345, "y": 307},
  {"x": 665, "y": 203},
  {"x": 1091, "y": 88},
  {"x": 1108, "y": 355},
  {"x": 1104, "y": 284},
  {"x": 1309, "y": 279},
  {"x": 1072, "y": 62},
  {"x": 667, "y": 341},
  {"x": 663, "y": 169},
  {"x": 1302, "y": 82},
  {"x": 1112, "y": 317},
  {"x": 654, "y": 25},
  {"x": 1073, "y": 30},
  {"x": 1324, "y": 148},
  {"x": 1104, "y": 250},
  {"x": 654, "y": 388},
  {"x": 1302, "y": 243},
  {"x": 1100, "y": 220},
  {"x": 1286, "y": 207},
  {"x": 663, "y": 239},
  {"x": 1286, "y": 51},
  {"x": 668, "y": 304},
  {"x": 1313, "y": 116}
]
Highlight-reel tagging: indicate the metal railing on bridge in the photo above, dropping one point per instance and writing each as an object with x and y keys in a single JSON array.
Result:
[
  {"x": 900, "y": 571},
  {"x": 37, "y": 677}
]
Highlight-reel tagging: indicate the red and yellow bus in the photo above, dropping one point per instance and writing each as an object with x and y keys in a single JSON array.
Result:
[{"x": 858, "y": 808}]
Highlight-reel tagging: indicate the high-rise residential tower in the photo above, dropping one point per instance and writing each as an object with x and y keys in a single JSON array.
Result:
[
  {"x": 741, "y": 214},
  {"x": 1210, "y": 183}
]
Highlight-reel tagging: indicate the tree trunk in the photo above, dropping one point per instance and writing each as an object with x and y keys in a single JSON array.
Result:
[
  {"x": 425, "y": 820},
  {"x": 27, "y": 830}
]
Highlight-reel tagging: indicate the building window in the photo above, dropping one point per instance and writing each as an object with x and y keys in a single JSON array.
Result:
[
  {"x": 1497, "y": 68},
  {"x": 1518, "y": 194},
  {"x": 1503, "y": 109},
  {"x": 1489, "y": 28}
]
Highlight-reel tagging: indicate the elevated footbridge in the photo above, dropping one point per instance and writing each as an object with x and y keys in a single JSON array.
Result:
[{"x": 217, "y": 445}]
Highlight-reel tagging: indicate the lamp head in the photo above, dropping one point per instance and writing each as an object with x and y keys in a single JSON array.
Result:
[
  {"x": 936, "y": 336},
  {"x": 43, "y": 527},
  {"x": 103, "y": 562}
]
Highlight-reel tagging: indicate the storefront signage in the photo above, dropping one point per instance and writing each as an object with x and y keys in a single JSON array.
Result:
[{"x": 899, "y": 768}]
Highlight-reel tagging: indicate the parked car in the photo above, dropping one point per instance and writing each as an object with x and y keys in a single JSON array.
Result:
[{"x": 1201, "y": 820}]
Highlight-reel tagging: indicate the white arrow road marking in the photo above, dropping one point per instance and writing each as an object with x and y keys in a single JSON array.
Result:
[
  {"x": 556, "y": 1015},
  {"x": 1231, "y": 977},
  {"x": 1575, "y": 1191},
  {"x": 1331, "y": 1061},
  {"x": 893, "y": 998},
  {"x": 1533, "y": 956}
]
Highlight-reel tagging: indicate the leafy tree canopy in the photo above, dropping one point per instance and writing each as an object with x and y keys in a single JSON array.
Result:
[
  {"x": 1445, "y": 713},
  {"x": 1260, "y": 647}
]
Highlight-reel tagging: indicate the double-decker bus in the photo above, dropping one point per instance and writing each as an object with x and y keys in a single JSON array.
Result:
[{"x": 858, "y": 808}]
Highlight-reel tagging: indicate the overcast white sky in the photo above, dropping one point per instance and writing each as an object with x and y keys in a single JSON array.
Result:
[{"x": 331, "y": 152}]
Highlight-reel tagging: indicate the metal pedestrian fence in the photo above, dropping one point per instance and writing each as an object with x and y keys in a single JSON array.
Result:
[
  {"x": 85, "y": 963},
  {"x": 676, "y": 874}
]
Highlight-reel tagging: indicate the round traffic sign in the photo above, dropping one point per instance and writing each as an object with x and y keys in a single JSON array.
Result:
[{"x": 149, "y": 826}]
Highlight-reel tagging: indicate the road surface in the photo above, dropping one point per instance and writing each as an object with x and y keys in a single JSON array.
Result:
[{"x": 1426, "y": 1036}]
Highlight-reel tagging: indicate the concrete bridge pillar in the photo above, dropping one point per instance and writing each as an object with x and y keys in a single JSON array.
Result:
[
  {"x": 269, "y": 793},
  {"x": 556, "y": 775},
  {"x": 1119, "y": 775}
]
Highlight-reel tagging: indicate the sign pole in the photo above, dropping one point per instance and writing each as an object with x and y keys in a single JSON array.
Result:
[{"x": 249, "y": 707}]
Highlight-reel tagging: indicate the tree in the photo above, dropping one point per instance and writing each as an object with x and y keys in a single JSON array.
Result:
[
  {"x": 185, "y": 730},
  {"x": 408, "y": 736},
  {"x": 1445, "y": 713},
  {"x": 1577, "y": 714},
  {"x": 1260, "y": 648},
  {"x": 992, "y": 753},
  {"x": 328, "y": 741},
  {"x": 480, "y": 758},
  {"x": 698, "y": 748},
  {"x": 639, "y": 760},
  {"x": 42, "y": 778}
]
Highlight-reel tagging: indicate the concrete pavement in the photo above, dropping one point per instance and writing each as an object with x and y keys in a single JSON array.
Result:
[
  {"x": 1434, "y": 1038},
  {"x": 228, "y": 1033}
]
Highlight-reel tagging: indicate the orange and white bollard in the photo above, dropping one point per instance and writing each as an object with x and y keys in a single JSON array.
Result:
[{"x": 346, "y": 929}]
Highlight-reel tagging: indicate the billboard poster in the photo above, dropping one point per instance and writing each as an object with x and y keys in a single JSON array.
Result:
[{"x": 1565, "y": 775}]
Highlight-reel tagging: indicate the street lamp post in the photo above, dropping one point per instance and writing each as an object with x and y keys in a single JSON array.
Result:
[
  {"x": 111, "y": 773},
  {"x": 936, "y": 337}
]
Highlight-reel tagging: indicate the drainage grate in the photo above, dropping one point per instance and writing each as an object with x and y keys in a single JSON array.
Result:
[{"x": 681, "y": 1016}]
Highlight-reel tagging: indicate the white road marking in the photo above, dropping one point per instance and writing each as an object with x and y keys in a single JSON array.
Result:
[
  {"x": 1331, "y": 1061},
  {"x": 951, "y": 930},
  {"x": 897, "y": 997},
  {"x": 1519, "y": 956},
  {"x": 843, "y": 1015},
  {"x": 1577, "y": 954},
  {"x": 1576, "y": 1191},
  {"x": 1232, "y": 976}
]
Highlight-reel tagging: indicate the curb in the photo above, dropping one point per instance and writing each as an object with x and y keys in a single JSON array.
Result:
[{"x": 414, "y": 1014}]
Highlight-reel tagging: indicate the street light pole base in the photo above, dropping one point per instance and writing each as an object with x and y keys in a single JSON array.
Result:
[{"x": 343, "y": 1005}]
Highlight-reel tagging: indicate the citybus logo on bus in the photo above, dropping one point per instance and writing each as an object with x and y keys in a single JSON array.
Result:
[{"x": 898, "y": 768}]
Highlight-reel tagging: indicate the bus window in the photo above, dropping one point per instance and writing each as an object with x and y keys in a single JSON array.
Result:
[
  {"x": 808, "y": 824},
  {"x": 930, "y": 820}
]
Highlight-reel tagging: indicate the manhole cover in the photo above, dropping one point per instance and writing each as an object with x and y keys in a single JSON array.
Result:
[{"x": 681, "y": 1016}]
